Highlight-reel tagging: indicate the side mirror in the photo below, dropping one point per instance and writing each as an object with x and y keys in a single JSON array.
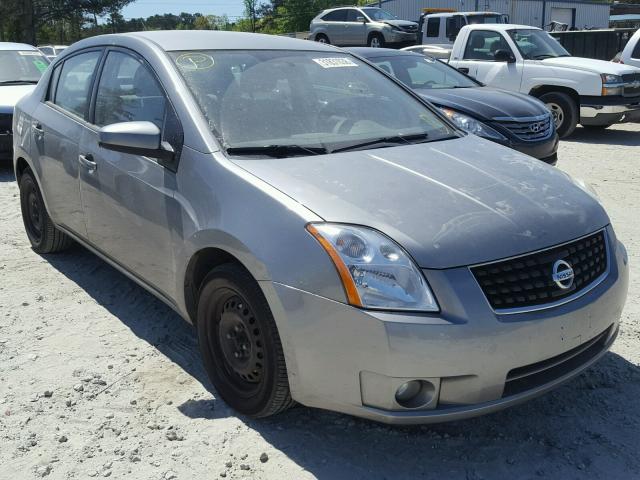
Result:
[
  {"x": 136, "y": 138},
  {"x": 504, "y": 56},
  {"x": 361, "y": 19}
]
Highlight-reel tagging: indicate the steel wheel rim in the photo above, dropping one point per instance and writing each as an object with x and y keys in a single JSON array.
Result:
[
  {"x": 238, "y": 343},
  {"x": 34, "y": 213},
  {"x": 557, "y": 113}
]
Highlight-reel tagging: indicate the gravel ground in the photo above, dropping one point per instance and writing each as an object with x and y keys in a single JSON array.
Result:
[{"x": 99, "y": 379}]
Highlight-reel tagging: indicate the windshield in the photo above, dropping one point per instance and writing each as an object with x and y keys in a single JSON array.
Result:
[
  {"x": 300, "y": 98},
  {"x": 419, "y": 72},
  {"x": 379, "y": 14},
  {"x": 18, "y": 66},
  {"x": 477, "y": 19},
  {"x": 537, "y": 44}
]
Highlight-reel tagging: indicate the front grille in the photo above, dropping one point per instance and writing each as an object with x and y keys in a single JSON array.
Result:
[
  {"x": 537, "y": 129},
  {"x": 526, "y": 281},
  {"x": 537, "y": 374},
  {"x": 632, "y": 88},
  {"x": 5, "y": 123},
  {"x": 409, "y": 28}
]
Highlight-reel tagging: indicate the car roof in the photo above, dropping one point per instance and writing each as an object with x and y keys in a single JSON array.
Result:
[
  {"x": 16, "y": 46},
  {"x": 449, "y": 14},
  {"x": 370, "y": 52},
  {"x": 176, "y": 40},
  {"x": 501, "y": 27}
]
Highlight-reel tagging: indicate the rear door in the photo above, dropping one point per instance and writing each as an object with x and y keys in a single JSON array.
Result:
[
  {"x": 355, "y": 32},
  {"x": 336, "y": 30},
  {"x": 129, "y": 199},
  {"x": 57, "y": 126}
]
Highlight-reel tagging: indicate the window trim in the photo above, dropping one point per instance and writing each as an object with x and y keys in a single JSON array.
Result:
[{"x": 480, "y": 59}]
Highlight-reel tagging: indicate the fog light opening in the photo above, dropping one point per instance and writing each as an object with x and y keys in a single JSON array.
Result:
[{"x": 415, "y": 393}]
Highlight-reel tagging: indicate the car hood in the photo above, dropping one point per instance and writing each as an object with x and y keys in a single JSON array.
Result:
[
  {"x": 589, "y": 65},
  {"x": 449, "y": 203},
  {"x": 400, "y": 23},
  {"x": 10, "y": 94},
  {"x": 485, "y": 102}
]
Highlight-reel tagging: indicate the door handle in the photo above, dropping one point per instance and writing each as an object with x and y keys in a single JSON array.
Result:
[
  {"x": 87, "y": 162},
  {"x": 37, "y": 127},
  {"x": 464, "y": 70}
]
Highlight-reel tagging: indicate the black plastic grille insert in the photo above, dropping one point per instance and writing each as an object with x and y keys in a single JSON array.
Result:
[{"x": 527, "y": 281}]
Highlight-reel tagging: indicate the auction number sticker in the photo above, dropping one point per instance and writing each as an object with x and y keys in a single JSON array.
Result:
[
  {"x": 335, "y": 62},
  {"x": 195, "y": 61},
  {"x": 28, "y": 53}
]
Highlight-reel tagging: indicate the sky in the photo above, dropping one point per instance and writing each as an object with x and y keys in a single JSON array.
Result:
[{"x": 146, "y": 8}]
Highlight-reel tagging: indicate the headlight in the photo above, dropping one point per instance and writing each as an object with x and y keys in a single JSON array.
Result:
[
  {"x": 375, "y": 271},
  {"x": 612, "y": 84},
  {"x": 472, "y": 125}
]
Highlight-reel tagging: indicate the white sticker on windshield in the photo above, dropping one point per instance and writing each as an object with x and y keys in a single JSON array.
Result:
[
  {"x": 335, "y": 62},
  {"x": 28, "y": 52}
]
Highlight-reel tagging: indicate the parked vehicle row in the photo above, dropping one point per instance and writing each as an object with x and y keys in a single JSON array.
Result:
[
  {"x": 21, "y": 66},
  {"x": 336, "y": 239},
  {"x": 513, "y": 119}
]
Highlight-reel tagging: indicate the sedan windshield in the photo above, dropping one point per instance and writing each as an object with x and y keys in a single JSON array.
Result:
[
  {"x": 21, "y": 66},
  {"x": 379, "y": 14},
  {"x": 537, "y": 44},
  {"x": 286, "y": 103},
  {"x": 423, "y": 72}
]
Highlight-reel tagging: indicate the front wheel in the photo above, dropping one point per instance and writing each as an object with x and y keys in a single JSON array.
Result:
[
  {"x": 376, "y": 41},
  {"x": 564, "y": 111},
  {"x": 240, "y": 344}
]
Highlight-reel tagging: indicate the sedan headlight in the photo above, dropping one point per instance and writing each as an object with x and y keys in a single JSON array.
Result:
[
  {"x": 472, "y": 125},
  {"x": 612, "y": 84},
  {"x": 375, "y": 271}
]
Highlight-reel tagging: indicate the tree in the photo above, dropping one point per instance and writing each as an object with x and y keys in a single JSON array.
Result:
[{"x": 250, "y": 11}]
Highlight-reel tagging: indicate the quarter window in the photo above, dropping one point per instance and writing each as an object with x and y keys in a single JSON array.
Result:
[
  {"x": 433, "y": 27},
  {"x": 128, "y": 92},
  {"x": 482, "y": 45},
  {"x": 74, "y": 83}
]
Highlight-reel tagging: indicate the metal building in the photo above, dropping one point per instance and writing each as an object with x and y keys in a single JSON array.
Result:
[{"x": 579, "y": 14}]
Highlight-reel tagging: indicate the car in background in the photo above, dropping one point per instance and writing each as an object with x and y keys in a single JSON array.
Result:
[
  {"x": 513, "y": 119},
  {"x": 436, "y": 51},
  {"x": 21, "y": 66},
  {"x": 334, "y": 239},
  {"x": 52, "y": 51},
  {"x": 358, "y": 26},
  {"x": 630, "y": 55},
  {"x": 442, "y": 28}
]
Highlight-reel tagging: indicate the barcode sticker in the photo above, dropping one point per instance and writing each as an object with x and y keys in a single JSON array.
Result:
[{"x": 335, "y": 62}]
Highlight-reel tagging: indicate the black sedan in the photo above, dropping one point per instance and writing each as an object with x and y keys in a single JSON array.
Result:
[{"x": 512, "y": 119}]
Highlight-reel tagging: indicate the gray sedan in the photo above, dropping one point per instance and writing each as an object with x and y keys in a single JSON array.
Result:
[{"x": 333, "y": 238}]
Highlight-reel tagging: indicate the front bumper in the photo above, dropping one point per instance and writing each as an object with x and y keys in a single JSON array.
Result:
[
  {"x": 545, "y": 150},
  {"x": 351, "y": 360},
  {"x": 609, "y": 110},
  {"x": 401, "y": 38}
]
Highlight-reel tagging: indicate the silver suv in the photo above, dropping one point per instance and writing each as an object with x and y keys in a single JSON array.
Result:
[{"x": 370, "y": 26}]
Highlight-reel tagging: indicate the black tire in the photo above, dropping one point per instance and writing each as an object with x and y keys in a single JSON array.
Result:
[
  {"x": 43, "y": 234},
  {"x": 564, "y": 111},
  {"x": 375, "y": 40},
  {"x": 596, "y": 128},
  {"x": 240, "y": 345},
  {"x": 322, "y": 38}
]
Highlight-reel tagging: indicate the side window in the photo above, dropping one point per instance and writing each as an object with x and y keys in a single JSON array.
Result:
[
  {"x": 128, "y": 92},
  {"x": 482, "y": 45},
  {"x": 433, "y": 27},
  {"x": 74, "y": 83},
  {"x": 353, "y": 14},
  {"x": 336, "y": 16},
  {"x": 636, "y": 51},
  {"x": 386, "y": 66}
]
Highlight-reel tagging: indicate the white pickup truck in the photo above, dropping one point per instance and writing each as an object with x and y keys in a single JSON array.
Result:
[{"x": 526, "y": 59}]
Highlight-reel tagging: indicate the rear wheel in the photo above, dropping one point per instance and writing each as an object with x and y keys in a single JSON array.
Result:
[
  {"x": 321, "y": 38},
  {"x": 43, "y": 234},
  {"x": 240, "y": 344},
  {"x": 564, "y": 111},
  {"x": 376, "y": 41}
]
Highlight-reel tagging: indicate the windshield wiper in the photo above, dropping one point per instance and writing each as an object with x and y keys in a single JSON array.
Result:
[
  {"x": 277, "y": 151},
  {"x": 408, "y": 139},
  {"x": 543, "y": 56},
  {"x": 18, "y": 82}
]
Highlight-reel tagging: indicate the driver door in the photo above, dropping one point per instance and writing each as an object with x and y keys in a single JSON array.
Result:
[{"x": 479, "y": 60}]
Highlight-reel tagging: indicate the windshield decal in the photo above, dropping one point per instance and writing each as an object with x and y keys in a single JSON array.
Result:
[
  {"x": 195, "y": 61},
  {"x": 29, "y": 53},
  {"x": 40, "y": 65},
  {"x": 335, "y": 62}
]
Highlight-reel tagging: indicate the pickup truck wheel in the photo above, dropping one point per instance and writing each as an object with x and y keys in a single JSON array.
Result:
[
  {"x": 42, "y": 233},
  {"x": 240, "y": 344},
  {"x": 321, "y": 38},
  {"x": 375, "y": 41},
  {"x": 564, "y": 111}
]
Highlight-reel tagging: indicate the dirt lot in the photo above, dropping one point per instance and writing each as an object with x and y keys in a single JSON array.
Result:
[{"x": 98, "y": 379}]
